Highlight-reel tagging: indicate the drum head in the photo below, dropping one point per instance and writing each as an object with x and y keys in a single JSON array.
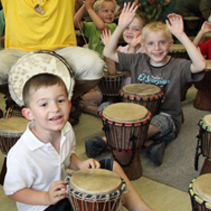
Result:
[
  {"x": 202, "y": 187},
  {"x": 14, "y": 125},
  {"x": 33, "y": 64},
  {"x": 125, "y": 112},
  {"x": 95, "y": 181},
  {"x": 206, "y": 122},
  {"x": 141, "y": 89}
]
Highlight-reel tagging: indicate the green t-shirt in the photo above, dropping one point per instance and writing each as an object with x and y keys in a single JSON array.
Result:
[{"x": 93, "y": 34}]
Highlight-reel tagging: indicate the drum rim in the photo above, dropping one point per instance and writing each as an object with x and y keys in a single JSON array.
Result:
[
  {"x": 80, "y": 194},
  {"x": 204, "y": 124},
  {"x": 196, "y": 197},
  {"x": 125, "y": 93},
  {"x": 68, "y": 81}
]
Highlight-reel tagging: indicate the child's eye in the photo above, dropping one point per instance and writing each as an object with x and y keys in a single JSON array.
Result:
[
  {"x": 43, "y": 105},
  {"x": 61, "y": 100},
  {"x": 150, "y": 43},
  {"x": 163, "y": 42}
]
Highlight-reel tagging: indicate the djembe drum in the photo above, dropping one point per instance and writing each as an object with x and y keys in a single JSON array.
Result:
[
  {"x": 110, "y": 85},
  {"x": 203, "y": 96},
  {"x": 125, "y": 126},
  {"x": 95, "y": 190},
  {"x": 191, "y": 24},
  {"x": 148, "y": 95},
  {"x": 204, "y": 144},
  {"x": 200, "y": 193},
  {"x": 10, "y": 131}
]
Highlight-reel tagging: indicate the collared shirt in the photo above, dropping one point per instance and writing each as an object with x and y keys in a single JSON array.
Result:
[{"x": 35, "y": 165}]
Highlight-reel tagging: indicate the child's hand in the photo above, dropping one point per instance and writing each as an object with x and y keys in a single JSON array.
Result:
[
  {"x": 105, "y": 36},
  {"x": 89, "y": 3},
  {"x": 90, "y": 163},
  {"x": 206, "y": 27},
  {"x": 57, "y": 191},
  {"x": 127, "y": 15},
  {"x": 136, "y": 41},
  {"x": 175, "y": 24}
]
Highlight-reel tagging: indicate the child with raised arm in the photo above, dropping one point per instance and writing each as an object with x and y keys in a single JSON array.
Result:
[
  {"x": 36, "y": 165},
  {"x": 205, "y": 47},
  {"x": 158, "y": 68}
]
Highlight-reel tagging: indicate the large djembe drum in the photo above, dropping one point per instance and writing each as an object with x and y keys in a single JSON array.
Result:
[
  {"x": 110, "y": 85},
  {"x": 200, "y": 193},
  {"x": 125, "y": 126},
  {"x": 95, "y": 190},
  {"x": 204, "y": 144},
  {"x": 148, "y": 95},
  {"x": 203, "y": 96}
]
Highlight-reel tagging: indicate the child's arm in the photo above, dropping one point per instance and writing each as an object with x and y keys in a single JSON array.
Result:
[
  {"x": 175, "y": 25},
  {"x": 76, "y": 163},
  {"x": 78, "y": 23},
  {"x": 206, "y": 27},
  {"x": 126, "y": 17},
  {"x": 95, "y": 18},
  {"x": 57, "y": 191}
]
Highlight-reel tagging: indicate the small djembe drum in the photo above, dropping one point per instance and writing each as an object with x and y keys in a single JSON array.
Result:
[
  {"x": 126, "y": 126},
  {"x": 203, "y": 96},
  {"x": 95, "y": 190},
  {"x": 148, "y": 95},
  {"x": 204, "y": 144},
  {"x": 110, "y": 85},
  {"x": 10, "y": 131},
  {"x": 200, "y": 193},
  {"x": 192, "y": 24}
]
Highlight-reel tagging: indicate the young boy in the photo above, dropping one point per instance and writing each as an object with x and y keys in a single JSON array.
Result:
[
  {"x": 36, "y": 165},
  {"x": 158, "y": 68}
]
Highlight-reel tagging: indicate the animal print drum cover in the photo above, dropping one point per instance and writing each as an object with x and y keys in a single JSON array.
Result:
[{"x": 36, "y": 63}]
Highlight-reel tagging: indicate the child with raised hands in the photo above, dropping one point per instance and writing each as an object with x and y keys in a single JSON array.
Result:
[
  {"x": 158, "y": 68},
  {"x": 204, "y": 46}
]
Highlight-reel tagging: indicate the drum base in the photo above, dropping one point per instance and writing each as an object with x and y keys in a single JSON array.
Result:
[
  {"x": 113, "y": 99},
  {"x": 206, "y": 168},
  {"x": 3, "y": 171},
  {"x": 134, "y": 169},
  {"x": 203, "y": 100}
]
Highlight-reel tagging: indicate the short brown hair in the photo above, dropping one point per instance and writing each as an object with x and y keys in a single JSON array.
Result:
[{"x": 41, "y": 80}]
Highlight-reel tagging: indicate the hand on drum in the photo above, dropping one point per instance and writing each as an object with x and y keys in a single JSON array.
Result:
[
  {"x": 89, "y": 164},
  {"x": 57, "y": 191}
]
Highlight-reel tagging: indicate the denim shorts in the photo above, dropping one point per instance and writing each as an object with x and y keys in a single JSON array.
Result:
[{"x": 167, "y": 127}]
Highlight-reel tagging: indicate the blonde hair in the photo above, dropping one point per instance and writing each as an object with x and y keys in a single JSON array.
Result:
[
  {"x": 142, "y": 17},
  {"x": 156, "y": 26},
  {"x": 98, "y": 4}
]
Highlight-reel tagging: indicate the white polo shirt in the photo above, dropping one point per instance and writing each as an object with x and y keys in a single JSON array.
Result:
[{"x": 35, "y": 165}]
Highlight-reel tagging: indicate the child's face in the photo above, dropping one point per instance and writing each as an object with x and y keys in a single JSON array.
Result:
[
  {"x": 133, "y": 30},
  {"x": 157, "y": 45},
  {"x": 106, "y": 12},
  {"x": 49, "y": 108}
]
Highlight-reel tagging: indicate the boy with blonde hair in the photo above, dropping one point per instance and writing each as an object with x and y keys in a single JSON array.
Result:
[{"x": 158, "y": 68}]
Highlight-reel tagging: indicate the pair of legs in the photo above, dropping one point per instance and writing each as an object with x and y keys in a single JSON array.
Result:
[{"x": 161, "y": 131}]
